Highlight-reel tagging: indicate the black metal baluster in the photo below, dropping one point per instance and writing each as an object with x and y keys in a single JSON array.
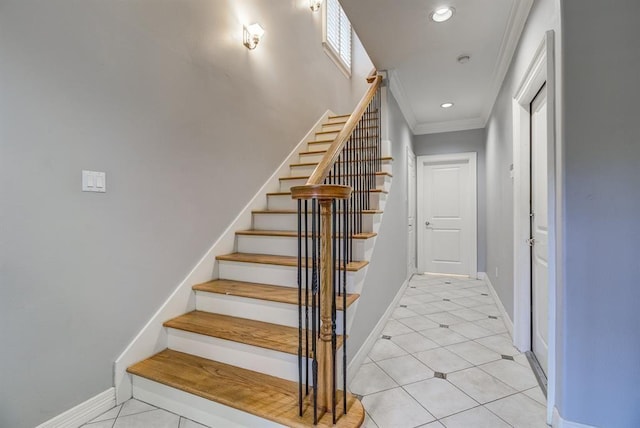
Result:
[
  {"x": 306, "y": 293},
  {"x": 300, "y": 307},
  {"x": 337, "y": 228},
  {"x": 314, "y": 291},
  {"x": 334, "y": 267},
  {"x": 319, "y": 268},
  {"x": 346, "y": 238}
]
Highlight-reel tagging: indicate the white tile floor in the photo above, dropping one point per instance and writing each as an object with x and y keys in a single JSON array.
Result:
[
  {"x": 450, "y": 326},
  {"x": 136, "y": 414},
  {"x": 442, "y": 325}
]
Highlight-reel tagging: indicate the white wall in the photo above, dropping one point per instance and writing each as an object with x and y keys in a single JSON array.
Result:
[
  {"x": 186, "y": 122},
  {"x": 461, "y": 142}
]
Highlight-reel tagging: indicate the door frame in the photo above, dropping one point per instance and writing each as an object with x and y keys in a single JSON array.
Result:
[
  {"x": 412, "y": 265},
  {"x": 472, "y": 222},
  {"x": 541, "y": 70}
]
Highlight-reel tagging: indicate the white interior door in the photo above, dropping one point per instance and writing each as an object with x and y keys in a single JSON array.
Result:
[
  {"x": 539, "y": 230},
  {"x": 447, "y": 214},
  {"x": 411, "y": 211}
]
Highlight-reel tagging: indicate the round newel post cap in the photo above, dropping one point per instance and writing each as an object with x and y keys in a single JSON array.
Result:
[{"x": 321, "y": 191}]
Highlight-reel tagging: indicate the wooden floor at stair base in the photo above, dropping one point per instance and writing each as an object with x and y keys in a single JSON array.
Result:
[{"x": 262, "y": 395}]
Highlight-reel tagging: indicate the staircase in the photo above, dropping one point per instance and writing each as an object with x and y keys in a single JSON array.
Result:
[{"x": 234, "y": 360}]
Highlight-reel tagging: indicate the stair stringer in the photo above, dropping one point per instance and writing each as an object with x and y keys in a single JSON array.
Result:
[{"x": 153, "y": 337}]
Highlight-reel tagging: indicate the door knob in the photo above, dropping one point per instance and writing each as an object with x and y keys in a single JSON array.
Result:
[{"x": 426, "y": 223}]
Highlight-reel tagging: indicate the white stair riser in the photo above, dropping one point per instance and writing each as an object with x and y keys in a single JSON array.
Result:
[
  {"x": 319, "y": 146},
  {"x": 287, "y": 276},
  {"x": 337, "y": 119},
  {"x": 311, "y": 157},
  {"x": 326, "y": 136},
  {"x": 269, "y": 221},
  {"x": 307, "y": 170},
  {"x": 332, "y": 127},
  {"x": 195, "y": 408},
  {"x": 274, "y": 363},
  {"x": 288, "y": 246},
  {"x": 255, "y": 309},
  {"x": 285, "y": 202},
  {"x": 286, "y": 185},
  {"x": 383, "y": 182}
]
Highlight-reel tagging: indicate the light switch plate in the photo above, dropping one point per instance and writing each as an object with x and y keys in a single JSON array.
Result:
[{"x": 94, "y": 181}]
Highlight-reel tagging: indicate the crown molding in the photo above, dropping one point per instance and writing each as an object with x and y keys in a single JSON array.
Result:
[
  {"x": 396, "y": 88},
  {"x": 510, "y": 39}
]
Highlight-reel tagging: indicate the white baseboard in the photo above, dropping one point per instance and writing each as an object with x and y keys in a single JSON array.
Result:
[
  {"x": 359, "y": 357},
  {"x": 558, "y": 422},
  {"x": 503, "y": 312},
  {"x": 153, "y": 337},
  {"x": 83, "y": 412}
]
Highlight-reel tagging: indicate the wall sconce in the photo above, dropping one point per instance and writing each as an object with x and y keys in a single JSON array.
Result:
[
  {"x": 252, "y": 35},
  {"x": 314, "y": 5}
]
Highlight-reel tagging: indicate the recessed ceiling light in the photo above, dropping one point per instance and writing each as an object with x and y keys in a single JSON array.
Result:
[
  {"x": 446, "y": 105},
  {"x": 442, "y": 14}
]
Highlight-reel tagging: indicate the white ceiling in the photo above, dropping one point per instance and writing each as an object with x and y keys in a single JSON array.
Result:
[{"x": 421, "y": 55}]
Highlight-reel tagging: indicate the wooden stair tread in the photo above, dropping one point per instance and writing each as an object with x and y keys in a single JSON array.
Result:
[
  {"x": 338, "y": 116},
  {"x": 325, "y": 140},
  {"x": 361, "y": 128},
  {"x": 272, "y": 293},
  {"x": 300, "y": 164},
  {"x": 270, "y": 259},
  {"x": 355, "y": 191},
  {"x": 262, "y": 395},
  {"x": 265, "y": 335},
  {"x": 300, "y": 177},
  {"x": 330, "y": 140},
  {"x": 296, "y": 212},
  {"x": 317, "y": 152},
  {"x": 316, "y": 163},
  {"x": 294, "y": 234}
]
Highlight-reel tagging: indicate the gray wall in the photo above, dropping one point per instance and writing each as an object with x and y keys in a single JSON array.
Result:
[
  {"x": 499, "y": 155},
  {"x": 602, "y": 201},
  {"x": 598, "y": 350},
  {"x": 460, "y": 142},
  {"x": 388, "y": 268},
  {"x": 187, "y": 123}
]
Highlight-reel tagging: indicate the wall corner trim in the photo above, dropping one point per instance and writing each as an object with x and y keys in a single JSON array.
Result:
[
  {"x": 83, "y": 412},
  {"x": 359, "y": 357},
  {"x": 503, "y": 312},
  {"x": 558, "y": 422}
]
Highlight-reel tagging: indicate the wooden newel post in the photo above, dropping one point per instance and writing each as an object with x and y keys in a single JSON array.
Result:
[
  {"x": 325, "y": 194},
  {"x": 325, "y": 358}
]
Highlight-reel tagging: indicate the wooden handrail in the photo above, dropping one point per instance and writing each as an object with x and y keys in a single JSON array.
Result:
[
  {"x": 337, "y": 192},
  {"x": 322, "y": 170}
]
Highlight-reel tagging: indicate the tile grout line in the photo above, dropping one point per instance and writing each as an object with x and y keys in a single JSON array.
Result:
[{"x": 440, "y": 346}]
